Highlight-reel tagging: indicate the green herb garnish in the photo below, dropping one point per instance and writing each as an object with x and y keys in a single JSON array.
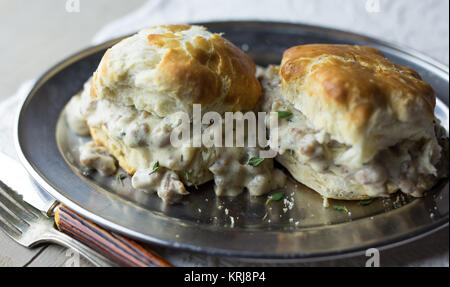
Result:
[
  {"x": 365, "y": 202},
  {"x": 155, "y": 167},
  {"x": 255, "y": 161},
  {"x": 186, "y": 174},
  {"x": 340, "y": 208},
  {"x": 291, "y": 152},
  {"x": 284, "y": 114},
  {"x": 275, "y": 197},
  {"x": 265, "y": 216}
]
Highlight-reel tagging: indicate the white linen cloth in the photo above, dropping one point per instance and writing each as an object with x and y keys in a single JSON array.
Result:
[{"x": 421, "y": 24}]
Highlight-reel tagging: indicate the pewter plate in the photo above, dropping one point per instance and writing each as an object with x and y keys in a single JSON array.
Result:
[{"x": 304, "y": 230}]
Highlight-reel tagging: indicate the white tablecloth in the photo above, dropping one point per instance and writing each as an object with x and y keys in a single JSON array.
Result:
[{"x": 421, "y": 24}]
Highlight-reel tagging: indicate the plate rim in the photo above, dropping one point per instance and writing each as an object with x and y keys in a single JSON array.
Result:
[{"x": 34, "y": 172}]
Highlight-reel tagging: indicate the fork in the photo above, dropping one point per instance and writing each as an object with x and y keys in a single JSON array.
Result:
[{"x": 29, "y": 227}]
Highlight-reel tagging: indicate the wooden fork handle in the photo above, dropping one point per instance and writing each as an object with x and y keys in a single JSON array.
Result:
[{"x": 109, "y": 244}]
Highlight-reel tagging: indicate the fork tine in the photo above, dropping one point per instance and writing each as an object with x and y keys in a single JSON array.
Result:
[
  {"x": 10, "y": 230},
  {"x": 19, "y": 200},
  {"x": 16, "y": 222},
  {"x": 14, "y": 207}
]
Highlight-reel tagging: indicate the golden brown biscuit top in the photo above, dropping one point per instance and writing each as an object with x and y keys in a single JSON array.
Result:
[
  {"x": 348, "y": 75},
  {"x": 166, "y": 69}
]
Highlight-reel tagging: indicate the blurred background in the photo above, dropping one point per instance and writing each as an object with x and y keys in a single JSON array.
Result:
[{"x": 38, "y": 34}]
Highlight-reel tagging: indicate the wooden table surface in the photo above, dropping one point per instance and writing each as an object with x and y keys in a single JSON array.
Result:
[{"x": 36, "y": 35}]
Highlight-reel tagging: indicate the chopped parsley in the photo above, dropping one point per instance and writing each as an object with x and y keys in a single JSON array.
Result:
[
  {"x": 284, "y": 114},
  {"x": 255, "y": 161},
  {"x": 155, "y": 167},
  {"x": 340, "y": 208},
  {"x": 366, "y": 202},
  {"x": 275, "y": 197}
]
